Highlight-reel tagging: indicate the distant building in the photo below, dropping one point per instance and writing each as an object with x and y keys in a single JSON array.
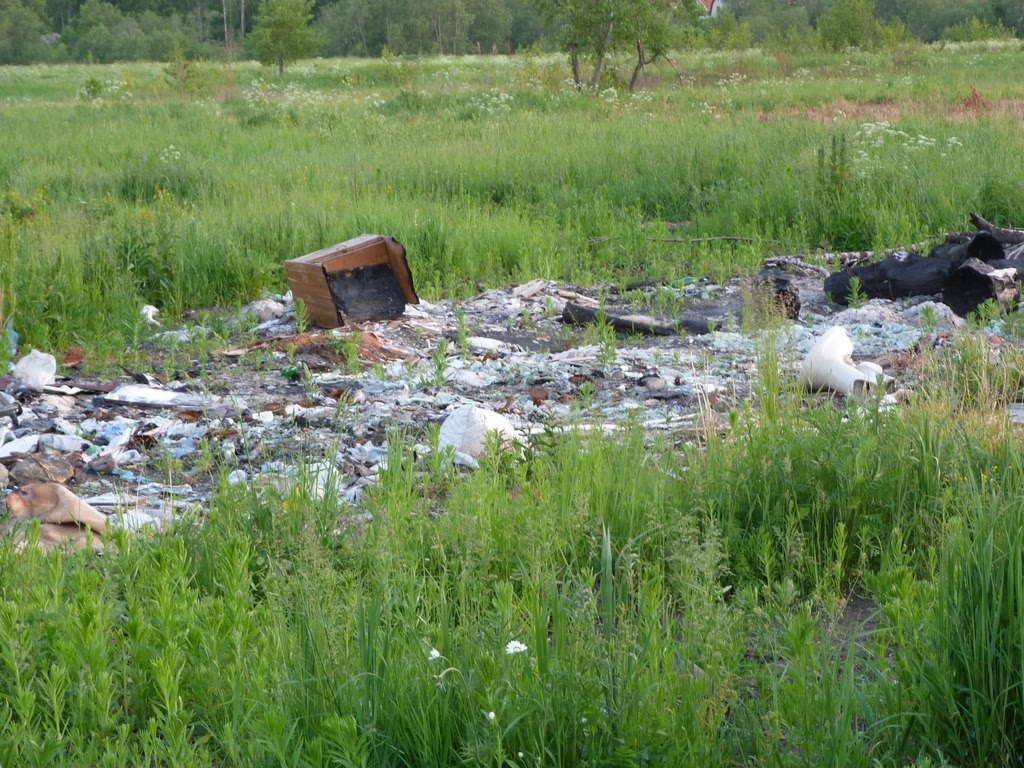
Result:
[{"x": 712, "y": 6}]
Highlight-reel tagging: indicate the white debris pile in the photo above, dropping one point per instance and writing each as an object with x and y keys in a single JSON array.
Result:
[{"x": 281, "y": 408}]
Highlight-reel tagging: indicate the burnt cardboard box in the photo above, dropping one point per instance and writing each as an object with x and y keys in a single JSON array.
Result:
[{"x": 366, "y": 278}]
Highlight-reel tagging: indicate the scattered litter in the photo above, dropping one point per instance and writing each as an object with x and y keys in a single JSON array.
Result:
[
  {"x": 182, "y": 335},
  {"x": 25, "y": 444},
  {"x": 829, "y": 365},
  {"x": 479, "y": 345},
  {"x": 33, "y": 372},
  {"x": 63, "y": 443},
  {"x": 134, "y": 520},
  {"x": 149, "y": 313},
  {"x": 265, "y": 310},
  {"x": 507, "y": 360},
  {"x": 137, "y": 394},
  {"x": 467, "y": 428},
  {"x": 116, "y": 500}
]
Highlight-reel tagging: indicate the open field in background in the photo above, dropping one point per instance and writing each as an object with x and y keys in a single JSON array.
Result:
[
  {"x": 119, "y": 192},
  {"x": 814, "y": 586}
]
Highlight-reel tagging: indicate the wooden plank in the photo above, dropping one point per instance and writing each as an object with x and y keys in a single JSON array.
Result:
[
  {"x": 364, "y": 257},
  {"x": 355, "y": 243},
  {"x": 400, "y": 268},
  {"x": 308, "y": 282}
]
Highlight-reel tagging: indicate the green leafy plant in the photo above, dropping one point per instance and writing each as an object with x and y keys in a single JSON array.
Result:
[
  {"x": 301, "y": 316},
  {"x": 855, "y": 297}
]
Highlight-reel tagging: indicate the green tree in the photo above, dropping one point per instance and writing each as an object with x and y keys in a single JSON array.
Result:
[
  {"x": 848, "y": 24},
  {"x": 587, "y": 27},
  {"x": 649, "y": 31},
  {"x": 777, "y": 23},
  {"x": 927, "y": 19},
  {"x": 490, "y": 25},
  {"x": 282, "y": 33},
  {"x": 727, "y": 32},
  {"x": 21, "y": 25}
]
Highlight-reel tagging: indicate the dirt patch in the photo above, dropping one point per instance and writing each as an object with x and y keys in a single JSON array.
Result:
[{"x": 971, "y": 108}]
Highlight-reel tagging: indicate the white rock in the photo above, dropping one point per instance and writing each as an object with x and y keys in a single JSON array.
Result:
[
  {"x": 481, "y": 345},
  {"x": 462, "y": 460},
  {"x": 467, "y": 378},
  {"x": 874, "y": 312},
  {"x": 34, "y": 371},
  {"x": 25, "y": 444},
  {"x": 466, "y": 430},
  {"x": 238, "y": 477},
  {"x": 943, "y": 317},
  {"x": 134, "y": 520},
  {"x": 63, "y": 443}
]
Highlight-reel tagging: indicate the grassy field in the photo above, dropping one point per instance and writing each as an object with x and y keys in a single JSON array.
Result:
[
  {"x": 119, "y": 188},
  {"x": 815, "y": 587}
]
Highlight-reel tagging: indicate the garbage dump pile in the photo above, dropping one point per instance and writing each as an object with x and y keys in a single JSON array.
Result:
[{"x": 274, "y": 402}]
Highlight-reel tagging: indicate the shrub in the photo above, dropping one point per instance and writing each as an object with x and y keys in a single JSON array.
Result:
[
  {"x": 976, "y": 29},
  {"x": 20, "y": 30},
  {"x": 725, "y": 31},
  {"x": 848, "y": 24},
  {"x": 102, "y": 33}
]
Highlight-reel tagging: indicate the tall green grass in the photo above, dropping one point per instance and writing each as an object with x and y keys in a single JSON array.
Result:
[
  {"x": 489, "y": 171},
  {"x": 677, "y": 608}
]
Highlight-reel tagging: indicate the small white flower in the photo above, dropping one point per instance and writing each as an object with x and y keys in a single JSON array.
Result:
[
  {"x": 583, "y": 720},
  {"x": 514, "y": 647},
  {"x": 519, "y": 755},
  {"x": 491, "y": 716},
  {"x": 434, "y": 654}
]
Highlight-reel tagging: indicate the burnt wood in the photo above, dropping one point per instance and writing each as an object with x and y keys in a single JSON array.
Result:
[
  {"x": 366, "y": 293},
  {"x": 974, "y": 282},
  {"x": 910, "y": 274},
  {"x": 1002, "y": 234},
  {"x": 780, "y": 288},
  {"x": 576, "y": 314}
]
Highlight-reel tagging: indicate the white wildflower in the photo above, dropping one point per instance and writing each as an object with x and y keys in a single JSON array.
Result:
[
  {"x": 514, "y": 647},
  {"x": 434, "y": 654}
]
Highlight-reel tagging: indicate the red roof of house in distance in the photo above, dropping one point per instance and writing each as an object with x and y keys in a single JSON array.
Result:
[{"x": 708, "y": 4}]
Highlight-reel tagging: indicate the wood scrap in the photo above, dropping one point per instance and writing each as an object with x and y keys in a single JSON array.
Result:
[
  {"x": 910, "y": 274},
  {"x": 1006, "y": 236},
  {"x": 974, "y": 282}
]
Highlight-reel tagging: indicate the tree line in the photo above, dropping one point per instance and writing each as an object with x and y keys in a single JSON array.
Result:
[{"x": 123, "y": 30}]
